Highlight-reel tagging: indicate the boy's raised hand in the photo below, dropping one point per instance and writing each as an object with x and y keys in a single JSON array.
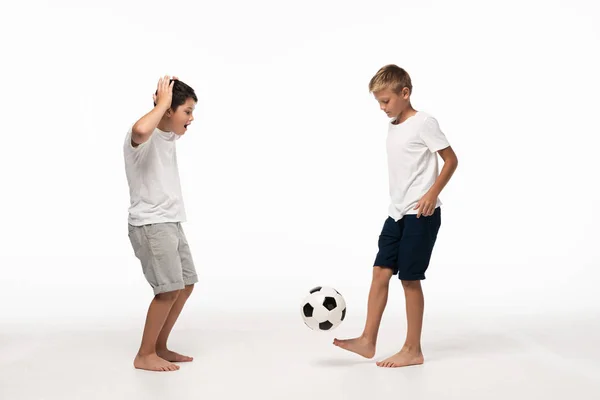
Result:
[{"x": 164, "y": 92}]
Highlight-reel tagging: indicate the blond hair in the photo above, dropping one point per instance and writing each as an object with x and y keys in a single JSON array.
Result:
[{"x": 390, "y": 77}]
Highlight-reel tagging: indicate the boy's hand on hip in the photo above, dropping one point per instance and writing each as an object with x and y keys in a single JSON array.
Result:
[{"x": 426, "y": 205}]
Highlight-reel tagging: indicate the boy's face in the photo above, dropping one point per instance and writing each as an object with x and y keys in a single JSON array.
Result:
[
  {"x": 180, "y": 119},
  {"x": 391, "y": 103}
]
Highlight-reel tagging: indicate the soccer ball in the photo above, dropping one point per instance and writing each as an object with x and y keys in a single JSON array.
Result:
[{"x": 323, "y": 309}]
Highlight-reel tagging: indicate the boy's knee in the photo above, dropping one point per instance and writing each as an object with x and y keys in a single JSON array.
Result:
[
  {"x": 382, "y": 275},
  {"x": 187, "y": 290},
  {"x": 416, "y": 284},
  {"x": 168, "y": 296}
]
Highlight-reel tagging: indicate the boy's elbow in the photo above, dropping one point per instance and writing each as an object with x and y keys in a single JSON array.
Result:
[
  {"x": 449, "y": 157},
  {"x": 138, "y": 138},
  {"x": 453, "y": 158},
  {"x": 454, "y": 163},
  {"x": 137, "y": 130},
  {"x": 139, "y": 134},
  {"x": 451, "y": 161}
]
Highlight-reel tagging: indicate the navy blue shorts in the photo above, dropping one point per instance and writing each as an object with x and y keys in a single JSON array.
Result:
[{"x": 406, "y": 246}]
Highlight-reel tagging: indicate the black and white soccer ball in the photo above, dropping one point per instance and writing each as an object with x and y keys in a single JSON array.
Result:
[{"x": 323, "y": 309}]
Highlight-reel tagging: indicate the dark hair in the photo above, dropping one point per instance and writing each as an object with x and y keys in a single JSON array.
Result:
[{"x": 181, "y": 92}]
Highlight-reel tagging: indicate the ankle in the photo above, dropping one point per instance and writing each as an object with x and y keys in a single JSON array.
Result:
[
  {"x": 161, "y": 347},
  {"x": 412, "y": 348},
  {"x": 146, "y": 352},
  {"x": 370, "y": 339}
]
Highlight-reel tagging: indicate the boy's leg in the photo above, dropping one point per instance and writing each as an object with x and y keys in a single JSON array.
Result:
[
  {"x": 415, "y": 306},
  {"x": 158, "y": 311},
  {"x": 384, "y": 268},
  {"x": 163, "y": 337},
  {"x": 158, "y": 248},
  {"x": 190, "y": 277},
  {"x": 366, "y": 343},
  {"x": 411, "y": 353},
  {"x": 418, "y": 239}
]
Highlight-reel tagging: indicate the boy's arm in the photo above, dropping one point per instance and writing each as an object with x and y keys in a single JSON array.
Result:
[
  {"x": 144, "y": 127},
  {"x": 427, "y": 204}
]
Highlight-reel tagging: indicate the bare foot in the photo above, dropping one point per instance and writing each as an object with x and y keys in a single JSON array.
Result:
[
  {"x": 359, "y": 345},
  {"x": 152, "y": 362},
  {"x": 172, "y": 356},
  {"x": 403, "y": 358}
]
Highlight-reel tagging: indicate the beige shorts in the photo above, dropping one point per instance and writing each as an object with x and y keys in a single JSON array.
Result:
[{"x": 165, "y": 255}]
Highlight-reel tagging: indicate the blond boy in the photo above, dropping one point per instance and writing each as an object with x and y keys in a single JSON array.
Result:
[{"x": 414, "y": 216}]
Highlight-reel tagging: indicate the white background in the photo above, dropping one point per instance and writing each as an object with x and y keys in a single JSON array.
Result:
[{"x": 284, "y": 171}]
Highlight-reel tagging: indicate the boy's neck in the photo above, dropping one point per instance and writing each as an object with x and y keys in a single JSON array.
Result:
[
  {"x": 164, "y": 126},
  {"x": 404, "y": 115}
]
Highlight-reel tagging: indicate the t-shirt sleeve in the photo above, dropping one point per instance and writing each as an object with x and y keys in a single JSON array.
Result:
[
  {"x": 137, "y": 151},
  {"x": 433, "y": 136}
]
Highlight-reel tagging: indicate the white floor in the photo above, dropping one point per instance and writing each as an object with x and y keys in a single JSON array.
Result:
[{"x": 272, "y": 356}]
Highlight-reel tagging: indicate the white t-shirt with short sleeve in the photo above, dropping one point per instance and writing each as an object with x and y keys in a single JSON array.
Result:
[
  {"x": 412, "y": 161},
  {"x": 153, "y": 178}
]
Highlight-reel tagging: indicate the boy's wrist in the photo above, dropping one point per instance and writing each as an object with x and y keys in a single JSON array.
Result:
[
  {"x": 434, "y": 191},
  {"x": 162, "y": 107}
]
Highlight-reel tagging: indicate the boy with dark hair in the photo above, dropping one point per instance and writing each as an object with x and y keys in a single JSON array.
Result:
[{"x": 156, "y": 213}]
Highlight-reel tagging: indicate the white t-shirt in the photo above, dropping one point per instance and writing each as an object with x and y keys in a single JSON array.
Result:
[
  {"x": 412, "y": 161},
  {"x": 153, "y": 177}
]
